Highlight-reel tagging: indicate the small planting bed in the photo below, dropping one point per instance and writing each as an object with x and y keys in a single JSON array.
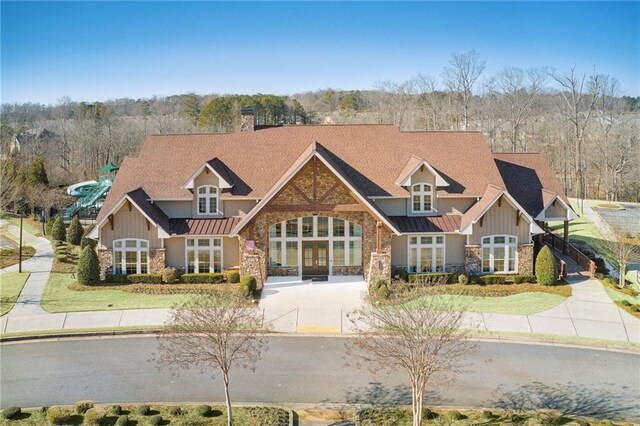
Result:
[
  {"x": 450, "y": 417},
  {"x": 143, "y": 415},
  {"x": 63, "y": 294},
  {"x": 11, "y": 285},
  {"x": 66, "y": 258},
  {"x": 11, "y": 256}
]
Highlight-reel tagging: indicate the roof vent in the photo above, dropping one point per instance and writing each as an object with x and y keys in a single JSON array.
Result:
[{"x": 247, "y": 119}]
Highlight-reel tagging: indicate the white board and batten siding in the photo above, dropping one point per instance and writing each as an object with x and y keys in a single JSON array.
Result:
[
  {"x": 501, "y": 221},
  {"x": 129, "y": 224}
]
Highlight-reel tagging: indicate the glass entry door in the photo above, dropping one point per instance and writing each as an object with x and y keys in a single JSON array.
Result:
[{"x": 315, "y": 258}]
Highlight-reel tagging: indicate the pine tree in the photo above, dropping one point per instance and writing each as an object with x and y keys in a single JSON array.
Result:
[
  {"x": 75, "y": 231},
  {"x": 88, "y": 270},
  {"x": 58, "y": 231},
  {"x": 546, "y": 267},
  {"x": 37, "y": 173},
  {"x": 85, "y": 241}
]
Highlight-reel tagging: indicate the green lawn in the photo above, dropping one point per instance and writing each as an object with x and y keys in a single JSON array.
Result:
[
  {"x": 521, "y": 304},
  {"x": 11, "y": 285},
  {"x": 28, "y": 224},
  {"x": 58, "y": 297}
]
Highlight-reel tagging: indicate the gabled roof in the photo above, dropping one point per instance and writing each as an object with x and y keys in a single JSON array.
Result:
[
  {"x": 216, "y": 167},
  {"x": 373, "y": 156},
  {"x": 491, "y": 196},
  {"x": 548, "y": 198},
  {"x": 530, "y": 180},
  {"x": 414, "y": 163},
  {"x": 140, "y": 200},
  {"x": 320, "y": 152}
]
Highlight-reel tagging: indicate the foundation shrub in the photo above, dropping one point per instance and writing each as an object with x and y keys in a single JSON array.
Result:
[
  {"x": 212, "y": 278},
  {"x": 400, "y": 273},
  {"x": 546, "y": 267},
  {"x": 520, "y": 279},
  {"x": 88, "y": 269},
  {"x": 116, "y": 409},
  {"x": 492, "y": 279},
  {"x": 82, "y": 407},
  {"x": 11, "y": 413},
  {"x": 233, "y": 276},
  {"x": 175, "y": 411},
  {"x": 453, "y": 415},
  {"x": 248, "y": 286},
  {"x": 117, "y": 279},
  {"x": 432, "y": 278},
  {"x": 463, "y": 278},
  {"x": 155, "y": 420},
  {"x": 170, "y": 275},
  {"x": 145, "y": 278}
]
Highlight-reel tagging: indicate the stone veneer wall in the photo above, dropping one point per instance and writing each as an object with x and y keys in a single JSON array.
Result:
[
  {"x": 380, "y": 266},
  {"x": 473, "y": 259},
  {"x": 347, "y": 270},
  {"x": 105, "y": 257},
  {"x": 525, "y": 259},
  {"x": 157, "y": 260}
]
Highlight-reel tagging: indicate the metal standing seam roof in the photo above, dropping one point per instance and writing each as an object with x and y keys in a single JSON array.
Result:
[
  {"x": 420, "y": 224},
  {"x": 185, "y": 226}
]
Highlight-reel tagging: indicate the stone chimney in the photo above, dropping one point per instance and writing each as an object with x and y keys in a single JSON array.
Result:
[{"x": 247, "y": 119}]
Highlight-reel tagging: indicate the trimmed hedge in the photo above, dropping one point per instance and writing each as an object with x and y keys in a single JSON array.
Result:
[
  {"x": 233, "y": 276},
  {"x": 144, "y": 278},
  {"x": 203, "y": 410},
  {"x": 432, "y": 278},
  {"x": 57, "y": 415},
  {"x": 170, "y": 275},
  {"x": 520, "y": 279},
  {"x": 88, "y": 269},
  {"x": 491, "y": 279},
  {"x": 10, "y": 413},
  {"x": 83, "y": 406},
  {"x": 248, "y": 286},
  {"x": 155, "y": 420},
  {"x": 123, "y": 420},
  {"x": 546, "y": 267},
  {"x": 94, "y": 416},
  {"x": 143, "y": 410},
  {"x": 212, "y": 278}
]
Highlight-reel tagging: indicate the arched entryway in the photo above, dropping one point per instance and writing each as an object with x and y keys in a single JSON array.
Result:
[{"x": 315, "y": 247}]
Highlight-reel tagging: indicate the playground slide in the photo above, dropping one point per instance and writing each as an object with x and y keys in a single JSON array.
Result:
[
  {"x": 81, "y": 189},
  {"x": 89, "y": 200}
]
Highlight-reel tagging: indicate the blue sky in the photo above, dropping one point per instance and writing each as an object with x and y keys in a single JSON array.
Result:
[{"x": 97, "y": 51}]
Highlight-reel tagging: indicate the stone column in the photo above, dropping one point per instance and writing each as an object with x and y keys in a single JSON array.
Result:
[
  {"x": 105, "y": 257},
  {"x": 379, "y": 266},
  {"x": 473, "y": 259},
  {"x": 525, "y": 259},
  {"x": 157, "y": 260}
]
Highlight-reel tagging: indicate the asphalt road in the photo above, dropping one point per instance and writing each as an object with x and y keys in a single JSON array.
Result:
[{"x": 313, "y": 370}]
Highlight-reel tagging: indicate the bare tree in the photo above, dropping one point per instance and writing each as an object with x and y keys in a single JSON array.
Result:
[
  {"x": 625, "y": 247},
  {"x": 396, "y": 98},
  {"x": 427, "y": 342},
  {"x": 206, "y": 333},
  {"x": 460, "y": 76},
  {"x": 519, "y": 91},
  {"x": 579, "y": 97}
]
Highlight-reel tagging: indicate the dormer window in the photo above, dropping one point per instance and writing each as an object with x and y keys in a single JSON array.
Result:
[
  {"x": 207, "y": 199},
  {"x": 421, "y": 198}
]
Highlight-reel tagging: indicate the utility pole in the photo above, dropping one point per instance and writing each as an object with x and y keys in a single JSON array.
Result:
[{"x": 20, "y": 249}]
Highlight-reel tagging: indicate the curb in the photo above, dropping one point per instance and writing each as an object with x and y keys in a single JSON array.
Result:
[{"x": 524, "y": 340}]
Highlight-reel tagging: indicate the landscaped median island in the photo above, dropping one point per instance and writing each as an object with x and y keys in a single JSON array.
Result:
[
  {"x": 85, "y": 412},
  {"x": 628, "y": 298},
  {"x": 402, "y": 417},
  {"x": 11, "y": 285},
  {"x": 515, "y": 294}
]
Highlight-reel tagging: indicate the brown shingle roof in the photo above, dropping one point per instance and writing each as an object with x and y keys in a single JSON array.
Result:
[
  {"x": 529, "y": 179},
  {"x": 491, "y": 194},
  {"x": 447, "y": 223},
  {"x": 140, "y": 198},
  {"x": 371, "y": 155}
]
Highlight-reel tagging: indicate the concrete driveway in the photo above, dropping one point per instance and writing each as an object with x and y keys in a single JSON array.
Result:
[{"x": 312, "y": 306}]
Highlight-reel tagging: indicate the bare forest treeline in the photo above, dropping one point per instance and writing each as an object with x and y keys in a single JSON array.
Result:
[{"x": 581, "y": 121}]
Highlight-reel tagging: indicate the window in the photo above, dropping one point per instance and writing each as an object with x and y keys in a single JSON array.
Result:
[
  {"x": 345, "y": 240},
  {"x": 499, "y": 254},
  {"x": 207, "y": 199},
  {"x": 421, "y": 198},
  {"x": 426, "y": 254},
  {"x": 130, "y": 256},
  {"x": 204, "y": 255}
]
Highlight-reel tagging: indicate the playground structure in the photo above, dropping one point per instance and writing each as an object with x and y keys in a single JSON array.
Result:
[{"x": 90, "y": 194}]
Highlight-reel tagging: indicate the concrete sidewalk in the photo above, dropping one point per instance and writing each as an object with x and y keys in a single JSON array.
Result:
[{"x": 39, "y": 265}]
